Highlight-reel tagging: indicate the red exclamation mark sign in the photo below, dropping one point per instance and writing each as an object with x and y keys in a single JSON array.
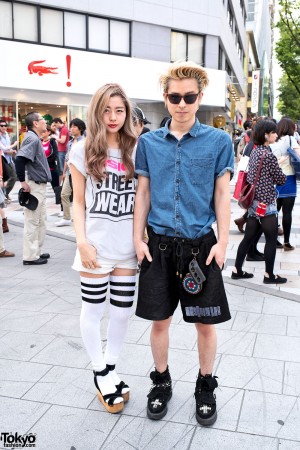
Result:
[{"x": 68, "y": 61}]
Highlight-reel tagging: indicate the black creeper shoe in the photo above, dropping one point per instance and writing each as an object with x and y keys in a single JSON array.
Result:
[
  {"x": 206, "y": 408},
  {"x": 159, "y": 395}
]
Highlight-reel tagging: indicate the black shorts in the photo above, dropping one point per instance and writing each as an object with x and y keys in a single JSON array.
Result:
[{"x": 161, "y": 281}]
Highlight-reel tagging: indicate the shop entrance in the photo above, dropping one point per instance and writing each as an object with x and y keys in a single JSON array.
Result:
[{"x": 49, "y": 112}]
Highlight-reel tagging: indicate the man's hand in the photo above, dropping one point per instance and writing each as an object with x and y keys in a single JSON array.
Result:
[
  {"x": 218, "y": 251},
  {"x": 142, "y": 250},
  {"x": 25, "y": 186}
]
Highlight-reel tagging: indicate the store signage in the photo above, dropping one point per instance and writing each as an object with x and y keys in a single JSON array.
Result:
[
  {"x": 255, "y": 91},
  {"x": 58, "y": 70}
]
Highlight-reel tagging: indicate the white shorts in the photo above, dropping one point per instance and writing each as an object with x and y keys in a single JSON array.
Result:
[{"x": 107, "y": 265}]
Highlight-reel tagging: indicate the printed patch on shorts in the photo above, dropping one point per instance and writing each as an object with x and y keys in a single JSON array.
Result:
[
  {"x": 196, "y": 311},
  {"x": 190, "y": 285}
]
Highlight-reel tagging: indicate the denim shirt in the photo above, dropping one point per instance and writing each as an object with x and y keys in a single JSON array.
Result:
[{"x": 182, "y": 177}]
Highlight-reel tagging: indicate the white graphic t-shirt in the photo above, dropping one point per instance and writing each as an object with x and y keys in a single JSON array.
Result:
[{"x": 109, "y": 206}]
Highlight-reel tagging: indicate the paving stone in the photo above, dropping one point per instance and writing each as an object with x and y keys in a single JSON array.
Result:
[
  {"x": 63, "y": 351},
  {"x": 227, "y": 440},
  {"x": 17, "y": 377},
  {"x": 283, "y": 348},
  {"x": 251, "y": 373},
  {"x": 235, "y": 342},
  {"x": 62, "y": 325},
  {"x": 293, "y": 328},
  {"x": 289, "y": 445},
  {"x": 64, "y": 386},
  {"x": 291, "y": 385},
  {"x": 22, "y": 346},
  {"x": 260, "y": 323},
  {"x": 268, "y": 415},
  {"x": 20, "y": 415},
  {"x": 251, "y": 303},
  {"x": 24, "y": 320},
  {"x": 72, "y": 428},
  {"x": 281, "y": 307},
  {"x": 30, "y": 302},
  {"x": 64, "y": 305},
  {"x": 138, "y": 433}
]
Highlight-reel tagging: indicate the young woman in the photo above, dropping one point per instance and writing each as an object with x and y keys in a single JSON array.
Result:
[
  {"x": 51, "y": 152},
  {"x": 263, "y": 136},
  {"x": 287, "y": 192},
  {"x": 102, "y": 169}
]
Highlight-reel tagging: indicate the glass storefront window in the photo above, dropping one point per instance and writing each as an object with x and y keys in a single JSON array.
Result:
[
  {"x": 5, "y": 20},
  {"x": 79, "y": 112},
  {"x": 8, "y": 113}
]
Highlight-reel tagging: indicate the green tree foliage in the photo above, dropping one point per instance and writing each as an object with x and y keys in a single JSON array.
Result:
[
  {"x": 288, "y": 104},
  {"x": 288, "y": 55}
]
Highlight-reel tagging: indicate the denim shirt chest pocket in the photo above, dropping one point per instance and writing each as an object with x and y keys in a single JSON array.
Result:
[{"x": 201, "y": 170}]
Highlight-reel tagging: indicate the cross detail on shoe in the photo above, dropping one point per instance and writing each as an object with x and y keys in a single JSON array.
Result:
[{"x": 156, "y": 403}]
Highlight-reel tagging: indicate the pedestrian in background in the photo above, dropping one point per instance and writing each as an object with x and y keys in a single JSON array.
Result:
[
  {"x": 102, "y": 169},
  {"x": 62, "y": 142},
  {"x": 77, "y": 129},
  {"x": 263, "y": 211},
  {"x": 32, "y": 159},
  {"x": 286, "y": 193},
  {"x": 51, "y": 152}
]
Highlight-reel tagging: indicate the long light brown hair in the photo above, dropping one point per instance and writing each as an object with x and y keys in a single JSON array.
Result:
[{"x": 96, "y": 141}]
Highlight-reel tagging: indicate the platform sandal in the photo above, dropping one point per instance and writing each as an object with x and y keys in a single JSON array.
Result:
[
  {"x": 122, "y": 388},
  {"x": 108, "y": 399}
]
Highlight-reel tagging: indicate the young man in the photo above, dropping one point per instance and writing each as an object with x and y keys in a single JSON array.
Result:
[
  {"x": 77, "y": 128},
  {"x": 139, "y": 121},
  {"x": 31, "y": 157},
  {"x": 184, "y": 171}
]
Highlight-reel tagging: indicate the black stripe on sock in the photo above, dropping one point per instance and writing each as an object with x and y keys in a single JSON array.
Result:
[
  {"x": 84, "y": 291},
  {"x": 117, "y": 283},
  {"x": 122, "y": 293},
  {"x": 94, "y": 285},
  {"x": 121, "y": 304},
  {"x": 93, "y": 300}
]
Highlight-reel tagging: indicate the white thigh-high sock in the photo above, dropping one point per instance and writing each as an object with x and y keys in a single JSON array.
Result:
[
  {"x": 93, "y": 306},
  {"x": 122, "y": 291}
]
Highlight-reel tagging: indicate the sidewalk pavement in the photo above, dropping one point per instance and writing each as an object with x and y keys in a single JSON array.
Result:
[{"x": 46, "y": 383}]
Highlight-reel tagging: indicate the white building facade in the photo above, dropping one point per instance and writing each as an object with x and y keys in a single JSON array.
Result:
[{"x": 56, "y": 54}]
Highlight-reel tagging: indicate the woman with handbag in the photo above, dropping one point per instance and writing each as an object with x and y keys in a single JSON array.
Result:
[
  {"x": 288, "y": 191},
  {"x": 262, "y": 210}
]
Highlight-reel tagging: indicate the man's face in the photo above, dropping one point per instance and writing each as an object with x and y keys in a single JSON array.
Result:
[
  {"x": 75, "y": 132},
  {"x": 58, "y": 125},
  {"x": 183, "y": 112},
  {"x": 40, "y": 125},
  {"x": 3, "y": 127}
]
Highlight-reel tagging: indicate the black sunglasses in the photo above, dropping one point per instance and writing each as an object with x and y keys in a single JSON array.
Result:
[
  {"x": 3, "y": 125},
  {"x": 189, "y": 99}
]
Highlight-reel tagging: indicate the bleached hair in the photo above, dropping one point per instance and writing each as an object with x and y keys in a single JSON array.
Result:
[{"x": 182, "y": 70}]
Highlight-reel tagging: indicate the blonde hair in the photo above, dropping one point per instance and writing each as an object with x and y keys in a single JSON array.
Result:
[
  {"x": 182, "y": 70},
  {"x": 96, "y": 141}
]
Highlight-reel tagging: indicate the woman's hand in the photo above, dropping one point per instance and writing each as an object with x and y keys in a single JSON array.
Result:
[{"x": 88, "y": 256}]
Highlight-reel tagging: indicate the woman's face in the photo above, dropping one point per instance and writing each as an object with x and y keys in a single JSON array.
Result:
[
  {"x": 45, "y": 135},
  {"x": 271, "y": 137},
  {"x": 114, "y": 115}
]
